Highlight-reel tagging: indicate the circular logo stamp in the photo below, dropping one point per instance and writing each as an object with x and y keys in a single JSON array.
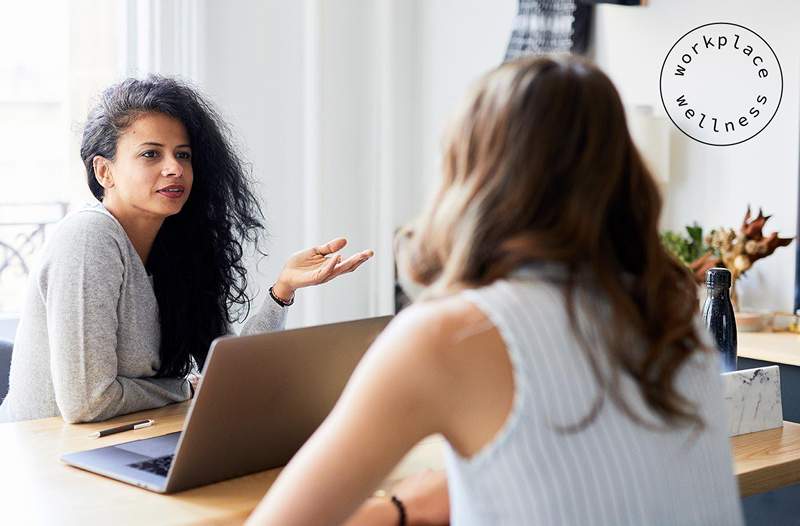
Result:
[{"x": 721, "y": 84}]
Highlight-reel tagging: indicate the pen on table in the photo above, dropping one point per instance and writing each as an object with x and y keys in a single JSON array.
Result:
[{"x": 125, "y": 427}]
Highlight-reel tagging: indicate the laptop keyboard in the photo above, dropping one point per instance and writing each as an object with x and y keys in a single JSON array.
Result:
[{"x": 159, "y": 466}]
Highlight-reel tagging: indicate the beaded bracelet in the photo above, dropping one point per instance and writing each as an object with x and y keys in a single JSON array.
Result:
[{"x": 279, "y": 301}]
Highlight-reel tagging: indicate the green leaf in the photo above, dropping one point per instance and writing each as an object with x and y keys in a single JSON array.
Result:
[
  {"x": 677, "y": 244},
  {"x": 696, "y": 246}
]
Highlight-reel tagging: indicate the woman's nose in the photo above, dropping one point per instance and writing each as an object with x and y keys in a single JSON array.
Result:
[{"x": 172, "y": 167}]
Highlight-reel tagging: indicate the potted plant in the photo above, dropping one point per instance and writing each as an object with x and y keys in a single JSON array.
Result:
[{"x": 735, "y": 250}]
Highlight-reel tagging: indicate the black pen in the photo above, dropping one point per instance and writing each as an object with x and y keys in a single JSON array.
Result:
[{"x": 125, "y": 427}]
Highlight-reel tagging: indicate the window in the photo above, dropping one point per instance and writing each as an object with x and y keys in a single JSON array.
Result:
[{"x": 63, "y": 54}]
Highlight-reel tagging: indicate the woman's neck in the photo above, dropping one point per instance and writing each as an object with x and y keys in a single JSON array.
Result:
[{"x": 140, "y": 228}]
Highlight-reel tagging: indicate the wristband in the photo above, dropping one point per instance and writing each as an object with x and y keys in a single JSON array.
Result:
[
  {"x": 280, "y": 301},
  {"x": 401, "y": 508}
]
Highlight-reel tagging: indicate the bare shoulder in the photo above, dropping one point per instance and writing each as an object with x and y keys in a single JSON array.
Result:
[
  {"x": 434, "y": 321},
  {"x": 457, "y": 369},
  {"x": 438, "y": 332}
]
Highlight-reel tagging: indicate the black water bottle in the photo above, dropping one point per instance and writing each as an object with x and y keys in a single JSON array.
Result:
[{"x": 718, "y": 315}]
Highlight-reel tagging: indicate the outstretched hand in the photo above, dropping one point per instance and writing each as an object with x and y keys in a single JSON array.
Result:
[{"x": 316, "y": 265}]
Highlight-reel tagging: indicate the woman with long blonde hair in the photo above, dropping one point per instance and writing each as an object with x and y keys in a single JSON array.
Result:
[{"x": 555, "y": 347}]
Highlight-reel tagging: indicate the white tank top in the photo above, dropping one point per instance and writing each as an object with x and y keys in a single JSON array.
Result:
[{"x": 613, "y": 472}]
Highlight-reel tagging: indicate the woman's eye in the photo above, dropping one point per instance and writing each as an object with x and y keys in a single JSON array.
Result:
[
  {"x": 149, "y": 154},
  {"x": 184, "y": 155}
]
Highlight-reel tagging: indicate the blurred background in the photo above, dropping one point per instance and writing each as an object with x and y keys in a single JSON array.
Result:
[{"x": 339, "y": 106}]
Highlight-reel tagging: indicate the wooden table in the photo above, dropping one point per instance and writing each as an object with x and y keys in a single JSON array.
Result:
[
  {"x": 36, "y": 488},
  {"x": 767, "y": 460},
  {"x": 774, "y": 347}
]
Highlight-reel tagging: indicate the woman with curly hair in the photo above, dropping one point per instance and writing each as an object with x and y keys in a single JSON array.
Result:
[
  {"x": 131, "y": 291},
  {"x": 555, "y": 347}
]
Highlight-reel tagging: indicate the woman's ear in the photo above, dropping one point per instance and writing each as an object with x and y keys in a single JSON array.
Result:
[{"x": 102, "y": 172}]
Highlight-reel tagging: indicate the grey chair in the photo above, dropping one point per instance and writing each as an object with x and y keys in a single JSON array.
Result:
[{"x": 6, "y": 347}]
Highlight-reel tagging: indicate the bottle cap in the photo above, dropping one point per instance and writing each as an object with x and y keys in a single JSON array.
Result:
[{"x": 718, "y": 277}]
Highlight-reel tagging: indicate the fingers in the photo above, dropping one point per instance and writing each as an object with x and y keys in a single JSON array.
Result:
[
  {"x": 328, "y": 270},
  {"x": 333, "y": 266},
  {"x": 335, "y": 245},
  {"x": 353, "y": 262}
]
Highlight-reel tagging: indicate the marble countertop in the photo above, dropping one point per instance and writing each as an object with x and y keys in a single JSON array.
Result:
[{"x": 753, "y": 400}]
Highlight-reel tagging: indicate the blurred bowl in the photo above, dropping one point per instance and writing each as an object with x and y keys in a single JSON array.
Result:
[{"x": 750, "y": 321}]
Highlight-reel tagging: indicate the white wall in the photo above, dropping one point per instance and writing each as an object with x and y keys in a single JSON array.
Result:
[
  {"x": 348, "y": 171},
  {"x": 458, "y": 40},
  {"x": 253, "y": 70},
  {"x": 319, "y": 93},
  {"x": 341, "y": 106},
  {"x": 713, "y": 185}
]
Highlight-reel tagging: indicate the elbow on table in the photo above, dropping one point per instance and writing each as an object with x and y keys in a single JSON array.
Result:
[
  {"x": 71, "y": 416},
  {"x": 82, "y": 411}
]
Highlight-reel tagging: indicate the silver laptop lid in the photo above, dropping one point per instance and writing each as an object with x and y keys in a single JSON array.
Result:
[{"x": 262, "y": 396}]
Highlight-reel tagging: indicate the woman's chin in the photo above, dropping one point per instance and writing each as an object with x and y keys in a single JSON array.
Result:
[
  {"x": 170, "y": 207},
  {"x": 175, "y": 211},
  {"x": 167, "y": 210}
]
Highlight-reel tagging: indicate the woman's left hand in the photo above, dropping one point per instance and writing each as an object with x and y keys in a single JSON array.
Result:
[{"x": 316, "y": 265}]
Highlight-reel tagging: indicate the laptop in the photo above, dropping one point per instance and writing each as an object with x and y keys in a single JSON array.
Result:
[{"x": 261, "y": 397}]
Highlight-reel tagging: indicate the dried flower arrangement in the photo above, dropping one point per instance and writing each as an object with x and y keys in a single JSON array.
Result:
[{"x": 736, "y": 251}]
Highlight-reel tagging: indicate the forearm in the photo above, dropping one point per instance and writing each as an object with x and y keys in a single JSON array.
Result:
[
  {"x": 121, "y": 396},
  {"x": 268, "y": 318},
  {"x": 82, "y": 281}
]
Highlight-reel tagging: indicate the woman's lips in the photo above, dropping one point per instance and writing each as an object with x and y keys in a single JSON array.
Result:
[{"x": 172, "y": 192}]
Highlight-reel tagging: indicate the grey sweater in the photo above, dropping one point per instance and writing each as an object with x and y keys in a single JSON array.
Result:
[{"x": 87, "y": 343}]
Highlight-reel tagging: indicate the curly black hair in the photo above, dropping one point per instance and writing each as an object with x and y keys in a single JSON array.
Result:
[{"x": 196, "y": 259}]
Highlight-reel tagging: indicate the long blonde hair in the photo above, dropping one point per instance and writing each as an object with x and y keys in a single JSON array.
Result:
[{"x": 539, "y": 166}]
